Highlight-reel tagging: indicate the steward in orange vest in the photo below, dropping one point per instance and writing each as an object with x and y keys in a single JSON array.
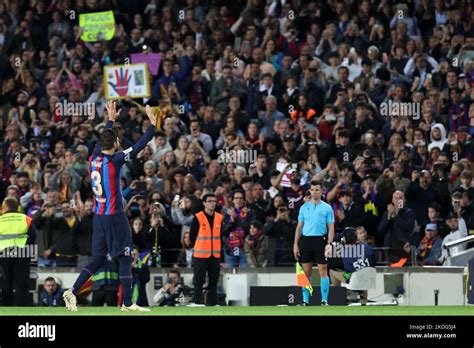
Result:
[{"x": 205, "y": 235}]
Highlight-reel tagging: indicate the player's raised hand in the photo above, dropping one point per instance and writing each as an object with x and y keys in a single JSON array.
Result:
[
  {"x": 150, "y": 115},
  {"x": 111, "y": 110}
]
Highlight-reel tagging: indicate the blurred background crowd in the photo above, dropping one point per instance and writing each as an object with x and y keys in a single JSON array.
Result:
[{"x": 374, "y": 98}]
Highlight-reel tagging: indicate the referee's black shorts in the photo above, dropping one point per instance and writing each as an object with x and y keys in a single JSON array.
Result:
[{"x": 312, "y": 249}]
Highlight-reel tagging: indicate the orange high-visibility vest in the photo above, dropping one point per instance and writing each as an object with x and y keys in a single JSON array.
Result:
[{"x": 208, "y": 241}]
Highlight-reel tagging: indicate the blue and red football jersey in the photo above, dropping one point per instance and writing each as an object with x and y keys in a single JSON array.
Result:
[{"x": 105, "y": 172}]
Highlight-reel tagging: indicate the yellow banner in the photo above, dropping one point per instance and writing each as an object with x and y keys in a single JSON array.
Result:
[{"x": 97, "y": 26}]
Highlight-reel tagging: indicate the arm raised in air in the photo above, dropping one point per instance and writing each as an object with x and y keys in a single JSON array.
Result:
[
  {"x": 112, "y": 115},
  {"x": 129, "y": 154}
]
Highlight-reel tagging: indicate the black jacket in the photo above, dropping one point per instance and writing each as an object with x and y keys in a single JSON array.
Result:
[
  {"x": 281, "y": 238},
  {"x": 84, "y": 235},
  {"x": 399, "y": 229},
  {"x": 419, "y": 199},
  {"x": 55, "y": 234}
]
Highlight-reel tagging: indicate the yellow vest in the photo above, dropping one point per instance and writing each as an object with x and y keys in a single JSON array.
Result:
[{"x": 13, "y": 230}]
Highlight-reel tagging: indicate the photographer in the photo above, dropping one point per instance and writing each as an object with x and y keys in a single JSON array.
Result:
[
  {"x": 280, "y": 231},
  {"x": 170, "y": 293},
  {"x": 138, "y": 206},
  {"x": 165, "y": 238}
]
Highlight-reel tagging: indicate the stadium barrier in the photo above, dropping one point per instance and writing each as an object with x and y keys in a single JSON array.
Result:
[{"x": 413, "y": 285}]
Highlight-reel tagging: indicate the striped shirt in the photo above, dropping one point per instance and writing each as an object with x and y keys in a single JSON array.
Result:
[{"x": 105, "y": 172}]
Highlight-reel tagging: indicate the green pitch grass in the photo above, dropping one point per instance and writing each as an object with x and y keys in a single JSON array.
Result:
[{"x": 254, "y": 311}]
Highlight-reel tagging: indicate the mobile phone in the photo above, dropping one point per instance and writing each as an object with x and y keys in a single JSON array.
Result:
[
  {"x": 52, "y": 166},
  {"x": 176, "y": 198},
  {"x": 141, "y": 186}
]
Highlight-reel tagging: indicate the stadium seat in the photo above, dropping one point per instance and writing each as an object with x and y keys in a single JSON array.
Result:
[{"x": 362, "y": 280}]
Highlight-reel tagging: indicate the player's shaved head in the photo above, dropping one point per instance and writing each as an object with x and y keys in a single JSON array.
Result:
[{"x": 108, "y": 138}]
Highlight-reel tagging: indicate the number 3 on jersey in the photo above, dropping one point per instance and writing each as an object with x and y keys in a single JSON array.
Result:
[{"x": 96, "y": 183}]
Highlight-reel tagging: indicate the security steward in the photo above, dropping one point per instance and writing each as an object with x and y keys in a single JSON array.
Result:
[
  {"x": 205, "y": 235},
  {"x": 16, "y": 231}
]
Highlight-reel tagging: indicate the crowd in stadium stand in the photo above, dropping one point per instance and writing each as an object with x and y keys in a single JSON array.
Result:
[{"x": 255, "y": 99}]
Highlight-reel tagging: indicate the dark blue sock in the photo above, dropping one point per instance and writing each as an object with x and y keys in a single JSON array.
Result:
[
  {"x": 87, "y": 272},
  {"x": 126, "y": 279}
]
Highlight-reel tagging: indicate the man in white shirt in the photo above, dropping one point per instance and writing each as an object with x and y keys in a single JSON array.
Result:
[{"x": 458, "y": 230}]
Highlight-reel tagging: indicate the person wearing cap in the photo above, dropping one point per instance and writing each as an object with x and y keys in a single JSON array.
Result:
[
  {"x": 16, "y": 231},
  {"x": 289, "y": 148},
  {"x": 429, "y": 250},
  {"x": 457, "y": 230}
]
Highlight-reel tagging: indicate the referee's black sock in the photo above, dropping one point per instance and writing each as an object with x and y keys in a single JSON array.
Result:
[{"x": 126, "y": 279}]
